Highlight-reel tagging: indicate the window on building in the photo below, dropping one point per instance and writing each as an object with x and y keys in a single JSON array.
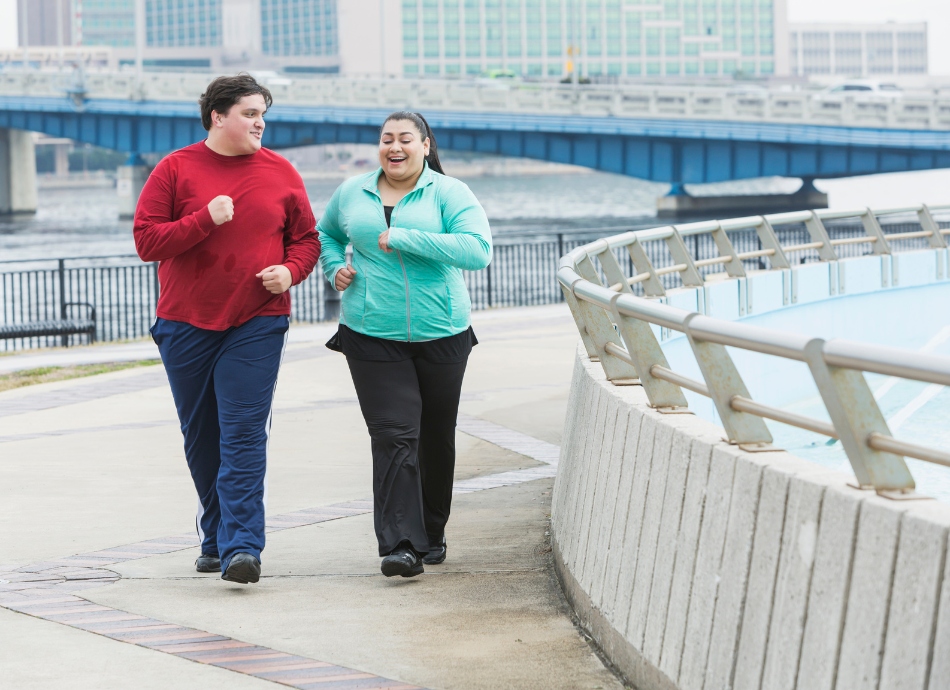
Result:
[
  {"x": 672, "y": 44},
  {"x": 912, "y": 52},
  {"x": 653, "y": 40},
  {"x": 880, "y": 48}
]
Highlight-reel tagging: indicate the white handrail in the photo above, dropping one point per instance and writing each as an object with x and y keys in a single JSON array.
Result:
[{"x": 628, "y": 351}]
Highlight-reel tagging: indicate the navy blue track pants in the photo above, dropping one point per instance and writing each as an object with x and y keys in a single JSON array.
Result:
[{"x": 223, "y": 384}]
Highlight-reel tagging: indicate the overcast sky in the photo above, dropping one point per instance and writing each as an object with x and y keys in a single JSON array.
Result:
[{"x": 935, "y": 12}]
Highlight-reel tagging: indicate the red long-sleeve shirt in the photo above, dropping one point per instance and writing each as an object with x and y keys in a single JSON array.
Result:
[{"x": 207, "y": 271}]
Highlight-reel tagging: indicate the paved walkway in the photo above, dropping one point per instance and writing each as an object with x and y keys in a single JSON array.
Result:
[{"x": 97, "y": 584}]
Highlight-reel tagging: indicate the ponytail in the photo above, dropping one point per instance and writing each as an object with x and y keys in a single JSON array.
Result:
[{"x": 423, "y": 127}]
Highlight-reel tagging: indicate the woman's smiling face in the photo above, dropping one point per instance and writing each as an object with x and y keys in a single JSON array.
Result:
[{"x": 402, "y": 150}]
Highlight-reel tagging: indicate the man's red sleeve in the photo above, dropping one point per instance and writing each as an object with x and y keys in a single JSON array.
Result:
[
  {"x": 301, "y": 242},
  {"x": 157, "y": 235}
]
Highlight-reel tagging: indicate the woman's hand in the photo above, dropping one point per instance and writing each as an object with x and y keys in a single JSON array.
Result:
[
  {"x": 344, "y": 277},
  {"x": 276, "y": 279},
  {"x": 384, "y": 242}
]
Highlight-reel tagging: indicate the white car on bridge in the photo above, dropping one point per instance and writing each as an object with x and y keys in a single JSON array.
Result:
[{"x": 860, "y": 90}]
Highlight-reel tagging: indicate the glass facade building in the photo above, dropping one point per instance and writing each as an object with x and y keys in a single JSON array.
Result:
[
  {"x": 601, "y": 37},
  {"x": 299, "y": 27},
  {"x": 858, "y": 50},
  {"x": 288, "y": 28},
  {"x": 174, "y": 23},
  {"x": 105, "y": 23}
]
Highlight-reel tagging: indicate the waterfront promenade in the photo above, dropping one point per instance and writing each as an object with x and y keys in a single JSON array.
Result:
[{"x": 97, "y": 584}]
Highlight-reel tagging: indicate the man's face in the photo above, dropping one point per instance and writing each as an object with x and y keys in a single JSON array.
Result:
[{"x": 241, "y": 128}]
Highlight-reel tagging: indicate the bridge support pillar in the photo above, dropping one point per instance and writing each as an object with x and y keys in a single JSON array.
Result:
[
  {"x": 17, "y": 172},
  {"x": 130, "y": 178},
  {"x": 61, "y": 160}
]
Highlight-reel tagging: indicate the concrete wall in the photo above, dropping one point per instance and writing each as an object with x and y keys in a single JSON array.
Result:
[{"x": 696, "y": 565}]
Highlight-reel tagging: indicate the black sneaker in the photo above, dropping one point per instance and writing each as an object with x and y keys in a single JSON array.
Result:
[
  {"x": 402, "y": 562},
  {"x": 243, "y": 568},
  {"x": 208, "y": 564},
  {"x": 436, "y": 554}
]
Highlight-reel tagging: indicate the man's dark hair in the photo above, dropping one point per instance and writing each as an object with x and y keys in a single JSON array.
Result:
[{"x": 224, "y": 92}]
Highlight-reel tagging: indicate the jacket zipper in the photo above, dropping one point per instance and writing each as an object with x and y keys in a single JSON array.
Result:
[{"x": 405, "y": 277}]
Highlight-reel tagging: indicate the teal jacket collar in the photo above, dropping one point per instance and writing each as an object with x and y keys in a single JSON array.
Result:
[{"x": 372, "y": 180}]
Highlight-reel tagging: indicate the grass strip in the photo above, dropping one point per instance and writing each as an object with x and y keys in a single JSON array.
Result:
[{"x": 31, "y": 377}]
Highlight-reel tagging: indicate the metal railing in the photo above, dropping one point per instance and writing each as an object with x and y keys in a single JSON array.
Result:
[
  {"x": 922, "y": 110},
  {"x": 616, "y": 328},
  {"x": 522, "y": 273}
]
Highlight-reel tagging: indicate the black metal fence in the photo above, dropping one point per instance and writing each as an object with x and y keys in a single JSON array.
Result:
[{"x": 124, "y": 291}]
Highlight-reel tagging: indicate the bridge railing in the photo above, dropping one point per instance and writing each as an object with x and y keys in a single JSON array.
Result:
[
  {"x": 617, "y": 329},
  {"x": 912, "y": 111}
]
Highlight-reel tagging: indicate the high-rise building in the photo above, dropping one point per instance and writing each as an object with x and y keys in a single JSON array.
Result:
[
  {"x": 45, "y": 22},
  {"x": 296, "y": 29},
  {"x": 216, "y": 34},
  {"x": 174, "y": 24},
  {"x": 600, "y": 37},
  {"x": 105, "y": 23},
  {"x": 858, "y": 50},
  {"x": 531, "y": 38}
]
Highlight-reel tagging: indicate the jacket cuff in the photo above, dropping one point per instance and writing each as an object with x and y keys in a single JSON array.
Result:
[
  {"x": 398, "y": 238},
  {"x": 331, "y": 277},
  {"x": 205, "y": 221}
]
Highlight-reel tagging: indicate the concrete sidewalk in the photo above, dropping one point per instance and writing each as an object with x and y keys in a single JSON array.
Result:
[{"x": 97, "y": 584}]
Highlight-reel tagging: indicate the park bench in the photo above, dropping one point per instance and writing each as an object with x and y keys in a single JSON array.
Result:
[{"x": 63, "y": 327}]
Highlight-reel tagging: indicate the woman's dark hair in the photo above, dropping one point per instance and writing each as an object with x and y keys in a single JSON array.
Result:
[
  {"x": 420, "y": 122},
  {"x": 224, "y": 92}
]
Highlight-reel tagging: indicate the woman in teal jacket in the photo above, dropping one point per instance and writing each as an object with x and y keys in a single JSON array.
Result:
[{"x": 405, "y": 328}]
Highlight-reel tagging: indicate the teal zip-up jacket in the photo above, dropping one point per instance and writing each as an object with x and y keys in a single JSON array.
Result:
[{"x": 416, "y": 292}]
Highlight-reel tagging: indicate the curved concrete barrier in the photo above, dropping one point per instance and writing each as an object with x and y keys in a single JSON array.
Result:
[{"x": 697, "y": 565}]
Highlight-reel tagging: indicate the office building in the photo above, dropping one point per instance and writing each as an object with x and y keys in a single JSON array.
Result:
[
  {"x": 296, "y": 35},
  {"x": 603, "y": 38},
  {"x": 105, "y": 23},
  {"x": 531, "y": 38},
  {"x": 858, "y": 50},
  {"x": 45, "y": 22}
]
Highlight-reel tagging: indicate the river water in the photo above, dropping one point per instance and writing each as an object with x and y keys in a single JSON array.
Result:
[{"x": 83, "y": 221}]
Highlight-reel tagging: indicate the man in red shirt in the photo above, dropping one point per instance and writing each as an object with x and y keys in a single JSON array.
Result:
[{"x": 232, "y": 229}]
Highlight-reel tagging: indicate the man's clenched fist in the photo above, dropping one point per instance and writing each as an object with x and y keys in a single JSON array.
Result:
[
  {"x": 222, "y": 209},
  {"x": 276, "y": 279}
]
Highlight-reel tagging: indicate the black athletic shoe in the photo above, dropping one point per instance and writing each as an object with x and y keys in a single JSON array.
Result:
[
  {"x": 208, "y": 564},
  {"x": 243, "y": 568},
  {"x": 436, "y": 554},
  {"x": 402, "y": 562}
]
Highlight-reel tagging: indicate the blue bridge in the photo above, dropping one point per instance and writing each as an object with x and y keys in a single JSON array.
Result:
[{"x": 673, "y": 135}]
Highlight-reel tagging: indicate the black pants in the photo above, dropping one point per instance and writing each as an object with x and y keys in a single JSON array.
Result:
[{"x": 410, "y": 408}]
